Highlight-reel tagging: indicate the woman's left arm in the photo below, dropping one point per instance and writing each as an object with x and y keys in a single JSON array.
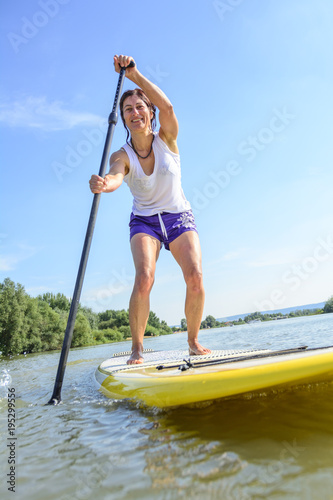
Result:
[{"x": 167, "y": 118}]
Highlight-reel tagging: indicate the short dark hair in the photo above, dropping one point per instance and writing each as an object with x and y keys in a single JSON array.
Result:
[{"x": 145, "y": 99}]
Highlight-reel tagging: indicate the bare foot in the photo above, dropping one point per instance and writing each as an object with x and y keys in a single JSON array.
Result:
[
  {"x": 195, "y": 349},
  {"x": 136, "y": 356}
]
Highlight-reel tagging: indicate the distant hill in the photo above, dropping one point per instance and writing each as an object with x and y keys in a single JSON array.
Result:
[{"x": 287, "y": 310}]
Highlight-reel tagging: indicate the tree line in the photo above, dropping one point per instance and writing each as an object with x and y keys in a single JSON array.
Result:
[
  {"x": 211, "y": 322},
  {"x": 35, "y": 324}
]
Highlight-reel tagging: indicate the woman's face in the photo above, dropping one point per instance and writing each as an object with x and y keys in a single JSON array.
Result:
[{"x": 136, "y": 114}]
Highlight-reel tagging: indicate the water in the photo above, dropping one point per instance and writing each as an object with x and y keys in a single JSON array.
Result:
[{"x": 277, "y": 445}]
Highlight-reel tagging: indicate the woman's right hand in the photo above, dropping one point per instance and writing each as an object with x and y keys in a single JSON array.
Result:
[
  {"x": 97, "y": 184},
  {"x": 112, "y": 180}
]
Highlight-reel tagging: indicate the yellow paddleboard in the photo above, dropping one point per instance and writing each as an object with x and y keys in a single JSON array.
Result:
[{"x": 172, "y": 378}]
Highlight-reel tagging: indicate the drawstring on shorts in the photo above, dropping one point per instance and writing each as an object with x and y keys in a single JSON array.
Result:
[{"x": 164, "y": 231}]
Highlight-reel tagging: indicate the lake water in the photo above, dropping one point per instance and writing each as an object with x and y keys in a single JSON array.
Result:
[{"x": 277, "y": 445}]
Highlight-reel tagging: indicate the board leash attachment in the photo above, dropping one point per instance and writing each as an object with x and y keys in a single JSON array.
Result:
[{"x": 187, "y": 365}]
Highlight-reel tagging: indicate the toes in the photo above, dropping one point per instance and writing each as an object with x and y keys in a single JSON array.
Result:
[{"x": 199, "y": 351}]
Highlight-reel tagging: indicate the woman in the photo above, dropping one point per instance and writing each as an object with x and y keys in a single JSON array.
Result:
[{"x": 149, "y": 163}]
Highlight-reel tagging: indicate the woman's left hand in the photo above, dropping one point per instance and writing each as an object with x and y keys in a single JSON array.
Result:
[{"x": 122, "y": 62}]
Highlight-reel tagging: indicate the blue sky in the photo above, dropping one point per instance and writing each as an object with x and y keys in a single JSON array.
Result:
[{"x": 251, "y": 84}]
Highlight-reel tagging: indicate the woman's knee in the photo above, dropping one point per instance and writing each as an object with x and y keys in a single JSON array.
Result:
[
  {"x": 193, "y": 279},
  {"x": 144, "y": 281}
]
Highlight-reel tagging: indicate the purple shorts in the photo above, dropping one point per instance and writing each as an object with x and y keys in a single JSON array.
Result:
[{"x": 165, "y": 226}]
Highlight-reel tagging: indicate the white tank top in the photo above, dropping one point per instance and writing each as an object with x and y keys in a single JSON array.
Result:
[{"x": 161, "y": 191}]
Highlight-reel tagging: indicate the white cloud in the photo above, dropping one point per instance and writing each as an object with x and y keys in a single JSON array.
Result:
[
  {"x": 21, "y": 253},
  {"x": 39, "y": 113},
  {"x": 227, "y": 257},
  {"x": 7, "y": 263},
  {"x": 270, "y": 262},
  {"x": 278, "y": 257},
  {"x": 103, "y": 294}
]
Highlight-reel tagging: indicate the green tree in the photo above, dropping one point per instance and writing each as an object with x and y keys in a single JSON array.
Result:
[
  {"x": 32, "y": 326},
  {"x": 13, "y": 304},
  {"x": 125, "y": 330},
  {"x": 52, "y": 327},
  {"x": 107, "y": 319},
  {"x": 90, "y": 315},
  {"x": 98, "y": 336},
  {"x": 253, "y": 316},
  {"x": 183, "y": 324},
  {"x": 112, "y": 335},
  {"x": 210, "y": 321},
  {"x": 122, "y": 318},
  {"x": 82, "y": 332},
  {"x": 44, "y": 327},
  {"x": 151, "y": 331},
  {"x": 59, "y": 301},
  {"x": 328, "y": 307},
  {"x": 165, "y": 329},
  {"x": 106, "y": 315},
  {"x": 153, "y": 320}
]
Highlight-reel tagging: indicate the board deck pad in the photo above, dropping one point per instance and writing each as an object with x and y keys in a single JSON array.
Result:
[{"x": 154, "y": 358}]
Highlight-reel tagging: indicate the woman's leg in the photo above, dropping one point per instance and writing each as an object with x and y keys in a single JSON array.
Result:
[
  {"x": 145, "y": 251},
  {"x": 187, "y": 252}
]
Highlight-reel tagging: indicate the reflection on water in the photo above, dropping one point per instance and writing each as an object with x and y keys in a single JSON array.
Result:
[
  {"x": 247, "y": 444},
  {"x": 277, "y": 445}
]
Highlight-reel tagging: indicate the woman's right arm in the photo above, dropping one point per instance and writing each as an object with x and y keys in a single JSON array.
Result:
[{"x": 118, "y": 169}]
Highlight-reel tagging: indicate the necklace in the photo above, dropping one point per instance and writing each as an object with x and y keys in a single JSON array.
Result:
[{"x": 135, "y": 151}]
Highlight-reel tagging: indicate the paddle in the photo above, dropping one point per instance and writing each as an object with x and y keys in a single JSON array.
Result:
[{"x": 113, "y": 118}]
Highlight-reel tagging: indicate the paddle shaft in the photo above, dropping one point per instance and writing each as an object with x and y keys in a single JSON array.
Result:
[{"x": 113, "y": 118}]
